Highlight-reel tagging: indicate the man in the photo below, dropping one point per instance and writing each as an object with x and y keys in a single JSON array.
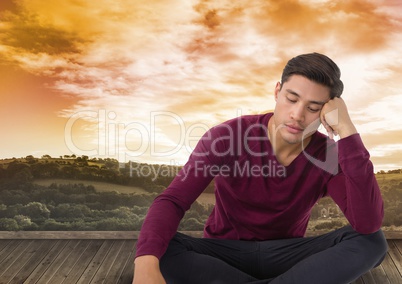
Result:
[{"x": 269, "y": 172}]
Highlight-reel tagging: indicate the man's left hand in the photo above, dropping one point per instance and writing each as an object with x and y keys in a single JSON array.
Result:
[{"x": 336, "y": 120}]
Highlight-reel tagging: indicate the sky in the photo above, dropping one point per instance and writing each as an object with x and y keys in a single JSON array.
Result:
[{"x": 143, "y": 80}]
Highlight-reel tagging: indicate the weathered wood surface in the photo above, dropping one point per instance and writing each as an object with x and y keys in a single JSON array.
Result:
[
  {"x": 111, "y": 261},
  {"x": 66, "y": 261},
  {"x": 124, "y": 235}
]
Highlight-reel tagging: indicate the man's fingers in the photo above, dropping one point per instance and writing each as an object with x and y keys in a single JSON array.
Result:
[{"x": 331, "y": 132}]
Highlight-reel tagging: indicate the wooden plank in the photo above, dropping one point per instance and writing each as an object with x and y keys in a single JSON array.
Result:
[
  {"x": 120, "y": 262},
  {"x": 83, "y": 262},
  {"x": 395, "y": 254},
  {"x": 393, "y": 235},
  {"x": 111, "y": 261},
  {"x": 3, "y": 244},
  {"x": 7, "y": 250},
  {"x": 391, "y": 270},
  {"x": 128, "y": 271},
  {"x": 58, "y": 261},
  {"x": 93, "y": 268},
  {"x": 358, "y": 281},
  {"x": 20, "y": 261},
  {"x": 46, "y": 262},
  {"x": 82, "y": 235},
  {"x": 398, "y": 244},
  {"x": 69, "y": 262},
  {"x": 368, "y": 278},
  {"x": 15, "y": 254},
  {"x": 107, "y": 263},
  {"x": 34, "y": 261},
  {"x": 126, "y": 235},
  {"x": 379, "y": 275}
]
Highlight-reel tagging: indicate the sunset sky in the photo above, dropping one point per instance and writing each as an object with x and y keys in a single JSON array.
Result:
[{"x": 142, "y": 80}]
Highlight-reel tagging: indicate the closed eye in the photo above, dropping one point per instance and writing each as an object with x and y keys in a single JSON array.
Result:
[{"x": 313, "y": 109}]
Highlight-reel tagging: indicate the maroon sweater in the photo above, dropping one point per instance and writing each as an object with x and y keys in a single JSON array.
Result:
[{"x": 256, "y": 197}]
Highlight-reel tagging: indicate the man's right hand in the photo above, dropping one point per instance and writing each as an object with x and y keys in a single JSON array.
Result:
[{"x": 146, "y": 270}]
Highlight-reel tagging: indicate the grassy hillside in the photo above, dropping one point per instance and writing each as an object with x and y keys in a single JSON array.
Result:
[
  {"x": 205, "y": 198},
  {"x": 99, "y": 186},
  {"x": 77, "y": 193}
]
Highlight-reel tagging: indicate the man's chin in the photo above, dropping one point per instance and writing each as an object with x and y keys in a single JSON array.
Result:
[
  {"x": 296, "y": 139},
  {"x": 292, "y": 139},
  {"x": 293, "y": 142}
]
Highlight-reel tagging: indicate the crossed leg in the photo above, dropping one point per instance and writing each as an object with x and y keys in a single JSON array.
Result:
[{"x": 338, "y": 257}]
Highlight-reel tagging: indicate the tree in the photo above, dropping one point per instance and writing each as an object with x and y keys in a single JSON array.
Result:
[
  {"x": 3, "y": 173},
  {"x": 47, "y": 170},
  {"x": 70, "y": 172},
  {"x": 23, "y": 221},
  {"x": 23, "y": 176},
  {"x": 31, "y": 159},
  {"x": 13, "y": 210},
  {"x": 90, "y": 172},
  {"x": 36, "y": 211},
  {"x": 8, "y": 224},
  {"x": 70, "y": 212},
  {"x": 3, "y": 210},
  {"x": 112, "y": 164},
  {"x": 123, "y": 213},
  {"x": 108, "y": 175},
  {"x": 192, "y": 224},
  {"x": 114, "y": 224},
  {"x": 53, "y": 225},
  {"x": 16, "y": 167}
]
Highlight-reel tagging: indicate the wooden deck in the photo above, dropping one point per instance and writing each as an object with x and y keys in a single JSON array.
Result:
[{"x": 107, "y": 257}]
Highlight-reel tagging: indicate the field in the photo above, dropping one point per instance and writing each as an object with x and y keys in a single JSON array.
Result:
[
  {"x": 118, "y": 201},
  {"x": 99, "y": 186},
  {"x": 205, "y": 198},
  {"x": 388, "y": 179},
  {"x": 384, "y": 180}
]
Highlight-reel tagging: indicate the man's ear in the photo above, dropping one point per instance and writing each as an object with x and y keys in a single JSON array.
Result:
[{"x": 277, "y": 89}]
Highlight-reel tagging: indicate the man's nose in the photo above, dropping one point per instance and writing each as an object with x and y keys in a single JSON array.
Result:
[{"x": 297, "y": 113}]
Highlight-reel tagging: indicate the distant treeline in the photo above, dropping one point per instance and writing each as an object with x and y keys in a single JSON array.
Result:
[
  {"x": 396, "y": 171},
  {"x": 103, "y": 170},
  {"x": 151, "y": 177},
  {"x": 391, "y": 190},
  {"x": 27, "y": 206}
]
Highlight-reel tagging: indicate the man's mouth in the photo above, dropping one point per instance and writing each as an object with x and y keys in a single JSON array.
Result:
[{"x": 294, "y": 128}]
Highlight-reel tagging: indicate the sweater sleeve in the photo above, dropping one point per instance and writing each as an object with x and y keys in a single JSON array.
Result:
[
  {"x": 355, "y": 188},
  {"x": 167, "y": 210}
]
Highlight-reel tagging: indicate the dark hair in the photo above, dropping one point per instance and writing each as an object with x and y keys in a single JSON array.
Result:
[{"x": 318, "y": 68}]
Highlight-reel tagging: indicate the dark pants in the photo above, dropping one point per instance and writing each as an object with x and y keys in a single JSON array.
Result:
[{"x": 338, "y": 257}]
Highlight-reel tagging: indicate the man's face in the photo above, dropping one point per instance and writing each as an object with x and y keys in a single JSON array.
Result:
[{"x": 298, "y": 106}]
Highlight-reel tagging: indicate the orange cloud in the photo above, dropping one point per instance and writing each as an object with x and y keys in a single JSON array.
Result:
[{"x": 201, "y": 60}]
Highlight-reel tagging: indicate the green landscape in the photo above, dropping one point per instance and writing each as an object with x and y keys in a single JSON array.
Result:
[{"x": 71, "y": 193}]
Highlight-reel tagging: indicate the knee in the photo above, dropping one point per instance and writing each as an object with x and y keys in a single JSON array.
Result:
[
  {"x": 382, "y": 246},
  {"x": 374, "y": 247}
]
